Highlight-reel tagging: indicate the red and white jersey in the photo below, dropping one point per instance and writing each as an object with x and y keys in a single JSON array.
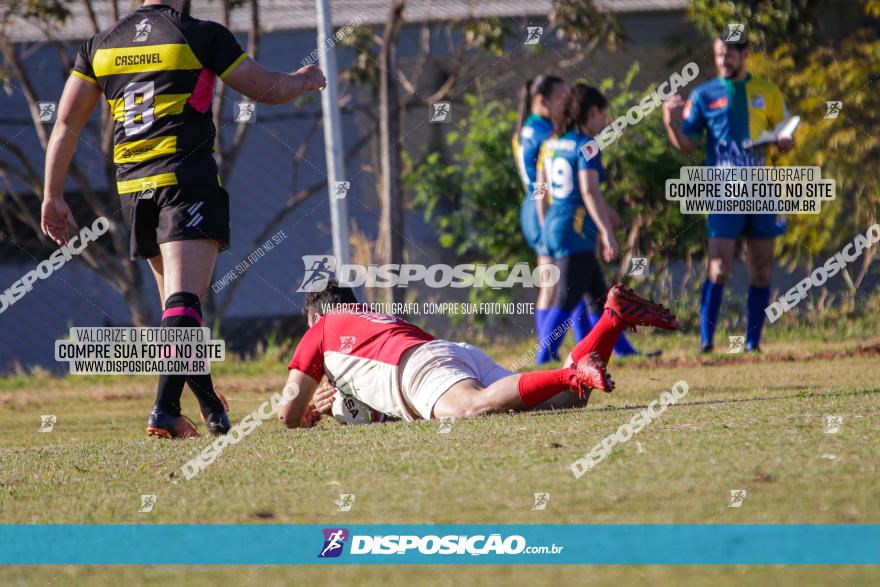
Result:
[{"x": 360, "y": 353}]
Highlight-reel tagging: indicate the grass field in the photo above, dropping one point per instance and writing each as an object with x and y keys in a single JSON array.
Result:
[{"x": 757, "y": 424}]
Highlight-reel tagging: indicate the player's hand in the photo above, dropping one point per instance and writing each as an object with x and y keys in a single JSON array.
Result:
[
  {"x": 310, "y": 417},
  {"x": 609, "y": 246},
  {"x": 672, "y": 109},
  {"x": 784, "y": 144},
  {"x": 55, "y": 218},
  {"x": 312, "y": 78},
  {"x": 323, "y": 398}
]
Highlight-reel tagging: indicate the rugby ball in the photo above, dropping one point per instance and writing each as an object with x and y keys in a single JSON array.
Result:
[{"x": 348, "y": 410}]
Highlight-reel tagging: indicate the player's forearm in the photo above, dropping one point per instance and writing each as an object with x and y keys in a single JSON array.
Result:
[
  {"x": 598, "y": 210},
  {"x": 284, "y": 88},
  {"x": 542, "y": 201},
  {"x": 679, "y": 139},
  {"x": 59, "y": 152}
]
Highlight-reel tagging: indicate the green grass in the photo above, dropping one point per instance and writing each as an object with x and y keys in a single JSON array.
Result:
[{"x": 753, "y": 425}]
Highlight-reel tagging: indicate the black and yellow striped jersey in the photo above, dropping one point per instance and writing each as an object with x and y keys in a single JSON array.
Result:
[{"x": 157, "y": 69}]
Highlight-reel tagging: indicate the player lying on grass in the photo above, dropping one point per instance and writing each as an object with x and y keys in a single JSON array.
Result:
[{"x": 399, "y": 369}]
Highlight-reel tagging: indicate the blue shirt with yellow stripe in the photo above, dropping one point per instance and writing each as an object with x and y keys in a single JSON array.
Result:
[
  {"x": 526, "y": 146},
  {"x": 731, "y": 111},
  {"x": 568, "y": 227}
]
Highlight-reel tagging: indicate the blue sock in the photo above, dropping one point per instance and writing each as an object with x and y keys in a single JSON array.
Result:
[
  {"x": 759, "y": 298},
  {"x": 622, "y": 348},
  {"x": 583, "y": 322},
  {"x": 710, "y": 306},
  {"x": 556, "y": 320},
  {"x": 540, "y": 316}
]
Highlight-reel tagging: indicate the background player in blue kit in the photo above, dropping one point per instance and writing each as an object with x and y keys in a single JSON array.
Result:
[
  {"x": 731, "y": 108},
  {"x": 577, "y": 215},
  {"x": 538, "y": 99}
]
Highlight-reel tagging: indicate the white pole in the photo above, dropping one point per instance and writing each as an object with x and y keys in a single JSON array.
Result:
[{"x": 332, "y": 134}]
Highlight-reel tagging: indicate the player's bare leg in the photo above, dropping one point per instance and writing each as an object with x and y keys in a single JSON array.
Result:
[
  {"x": 760, "y": 268},
  {"x": 158, "y": 270},
  {"x": 760, "y": 260},
  {"x": 188, "y": 266},
  {"x": 721, "y": 251},
  {"x": 546, "y": 291},
  {"x": 183, "y": 273}
]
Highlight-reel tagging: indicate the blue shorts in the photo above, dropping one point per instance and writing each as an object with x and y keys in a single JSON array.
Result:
[
  {"x": 561, "y": 237},
  {"x": 531, "y": 226},
  {"x": 750, "y": 225}
]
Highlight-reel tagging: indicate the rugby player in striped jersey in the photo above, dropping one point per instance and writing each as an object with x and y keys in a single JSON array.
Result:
[{"x": 157, "y": 68}]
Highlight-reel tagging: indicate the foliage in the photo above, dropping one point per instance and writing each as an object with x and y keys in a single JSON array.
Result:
[
  {"x": 843, "y": 147},
  {"x": 769, "y": 22},
  {"x": 474, "y": 199},
  {"x": 638, "y": 164},
  {"x": 478, "y": 191}
]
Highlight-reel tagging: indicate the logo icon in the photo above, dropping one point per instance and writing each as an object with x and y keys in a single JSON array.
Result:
[
  {"x": 541, "y": 501},
  {"x": 47, "y": 423},
  {"x": 446, "y": 423},
  {"x": 734, "y": 32},
  {"x": 346, "y": 344},
  {"x": 832, "y": 424},
  {"x": 736, "y": 344},
  {"x": 142, "y": 31},
  {"x": 46, "y": 111},
  {"x": 345, "y": 502},
  {"x": 833, "y": 109},
  {"x": 194, "y": 217},
  {"x": 533, "y": 34},
  {"x": 148, "y": 190},
  {"x": 340, "y": 189},
  {"x": 639, "y": 266},
  {"x": 319, "y": 269},
  {"x": 590, "y": 150},
  {"x": 540, "y": 191},
  {"x": 245, "y": 112},
  {"x": 147, "y": 503},
  {"x": 737, "y": 496},
  {"x": 334, "y": 541},
  {"x": 441, "y": 112}
]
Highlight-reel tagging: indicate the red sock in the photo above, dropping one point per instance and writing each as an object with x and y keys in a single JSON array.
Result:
[
  {"x": 539, "y": 386},
  {"x": 601, "y": 338}
]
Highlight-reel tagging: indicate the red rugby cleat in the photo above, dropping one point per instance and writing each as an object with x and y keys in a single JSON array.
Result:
[
  {"x": 638, "y": 311},
  {"x": 590, "y": 373}
]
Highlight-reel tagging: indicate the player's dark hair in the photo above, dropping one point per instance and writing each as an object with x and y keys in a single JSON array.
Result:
[
  {"x": 577, "y": 110},
  {"x": 541, "y": 85},
  {"x": 324, "y": 301}
]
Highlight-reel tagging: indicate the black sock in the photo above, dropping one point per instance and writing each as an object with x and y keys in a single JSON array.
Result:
[
  {"x": 171, "y": 386},
  {"x": 202, "y": 386}
]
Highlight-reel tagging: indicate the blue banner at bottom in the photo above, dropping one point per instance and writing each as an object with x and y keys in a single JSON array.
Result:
[{"x": 491, "y": 544}]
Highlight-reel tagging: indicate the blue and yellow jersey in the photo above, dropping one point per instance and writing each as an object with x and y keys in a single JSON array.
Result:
[
  {"x": 731, "y": 111},
  {"x": 535, "y": 130},
  {"x": 561, "y": 160}
]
